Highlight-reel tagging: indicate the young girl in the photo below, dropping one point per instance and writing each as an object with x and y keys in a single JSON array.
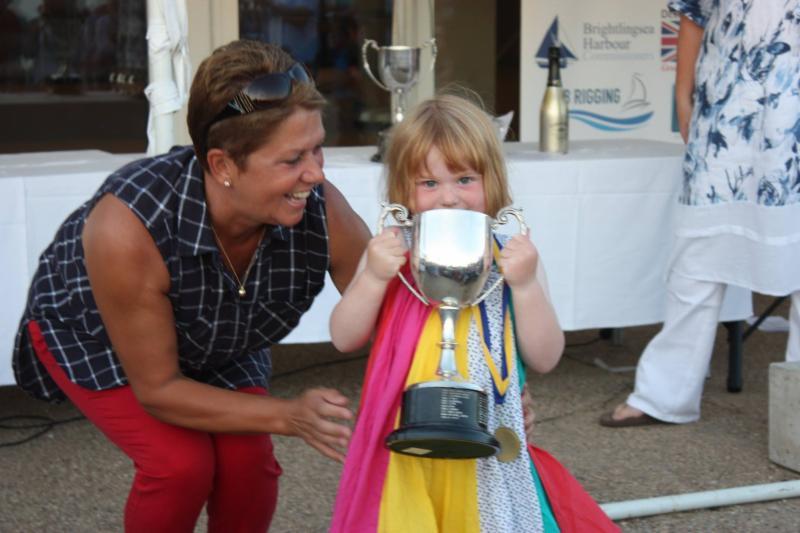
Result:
[{"x": 447, "y": 155}]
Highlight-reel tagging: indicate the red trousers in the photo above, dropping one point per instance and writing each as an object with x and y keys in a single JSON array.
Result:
[{"x": 178, "y": 470}]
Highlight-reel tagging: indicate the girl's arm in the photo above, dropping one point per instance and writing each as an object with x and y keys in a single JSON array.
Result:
[
  {"x": 353, "y": 318},
  {"x": 539, "y": 335}
]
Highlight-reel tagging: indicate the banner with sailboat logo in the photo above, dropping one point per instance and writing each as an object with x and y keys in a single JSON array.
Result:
[{"x": 617, "y": 66}]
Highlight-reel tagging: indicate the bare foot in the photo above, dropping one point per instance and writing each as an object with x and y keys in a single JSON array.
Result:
[
  {"x": 624, "y": 411},
  {"x": 624, "y": 415}
]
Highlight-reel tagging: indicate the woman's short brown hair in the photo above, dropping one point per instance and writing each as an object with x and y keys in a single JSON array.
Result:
[
  {"x": 463, "y": 133},
  {"x": 223, "y": 74}
]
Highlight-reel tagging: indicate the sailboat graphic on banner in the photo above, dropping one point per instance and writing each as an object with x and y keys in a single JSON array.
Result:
[
  {"x": 553, "y": 38},
  {"x": 634, "y": 112},
  {"x": 638, "y": 94}
]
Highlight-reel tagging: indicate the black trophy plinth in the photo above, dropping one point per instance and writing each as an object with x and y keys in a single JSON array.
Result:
[{"x": 443, "y": 420}]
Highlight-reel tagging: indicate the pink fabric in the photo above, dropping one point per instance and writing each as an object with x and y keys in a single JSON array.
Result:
[{"x": 358, "y": 499}]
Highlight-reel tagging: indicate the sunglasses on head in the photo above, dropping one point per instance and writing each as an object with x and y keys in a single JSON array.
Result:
[{"x": 263, "y": 92}]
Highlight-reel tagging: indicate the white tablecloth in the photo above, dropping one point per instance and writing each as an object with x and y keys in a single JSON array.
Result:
[{"x": 601, "y": 217}]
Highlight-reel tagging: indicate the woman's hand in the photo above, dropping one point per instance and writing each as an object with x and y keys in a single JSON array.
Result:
[
  {"x": 312, "y": 417},
  {"x": 518, "y": 260},
  {"x": 386, "y": 254},
  {"x": 528, "y": 414}
]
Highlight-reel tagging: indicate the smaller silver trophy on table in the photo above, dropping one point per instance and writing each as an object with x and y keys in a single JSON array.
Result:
[
  {"x": 398, "y": 70},
  {"x": 451, "y": 258}
]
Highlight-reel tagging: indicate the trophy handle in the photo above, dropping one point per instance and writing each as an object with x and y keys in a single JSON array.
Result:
[
  {"x": 400, "y": 214},
  {"x": 502, "y": 218},
  {"x": 434, "y": 50},
  {"x": 369, "y": 43},
  {"x": 516, "y": 212}
]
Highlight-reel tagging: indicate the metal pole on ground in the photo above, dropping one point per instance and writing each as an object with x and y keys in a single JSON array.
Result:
[{"x": 701, "y": 500}]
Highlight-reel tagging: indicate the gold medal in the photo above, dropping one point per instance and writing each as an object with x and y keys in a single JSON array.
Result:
[{"x": 509, "y": 444}]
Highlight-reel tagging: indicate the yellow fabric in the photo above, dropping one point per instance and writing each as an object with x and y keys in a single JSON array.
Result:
[{"x": 431, "y": 495}]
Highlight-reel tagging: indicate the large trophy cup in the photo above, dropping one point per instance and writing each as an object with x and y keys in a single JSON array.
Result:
[
  {"x": 451, "y": 257},
  {"x": 398, "y": 70}
]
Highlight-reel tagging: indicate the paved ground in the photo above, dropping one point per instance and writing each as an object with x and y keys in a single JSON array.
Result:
[{"x": 71, "y": 479}]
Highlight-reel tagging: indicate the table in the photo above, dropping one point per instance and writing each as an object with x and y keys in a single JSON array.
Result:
[{"x": 600, "y": 215}]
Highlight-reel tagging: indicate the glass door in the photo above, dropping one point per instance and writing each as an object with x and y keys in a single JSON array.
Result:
[
  {"x": 327, "y": 35},
  {"x": 72, "y": 75}
]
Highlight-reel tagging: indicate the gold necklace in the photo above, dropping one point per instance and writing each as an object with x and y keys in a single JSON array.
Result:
[{"x": 242, "y": 291}]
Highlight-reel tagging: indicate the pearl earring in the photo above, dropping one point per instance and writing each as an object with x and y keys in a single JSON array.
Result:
[{"x": 227, "y": 184}]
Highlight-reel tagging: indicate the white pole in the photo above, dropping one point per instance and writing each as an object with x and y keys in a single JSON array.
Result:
[{"x": 701, "y": 500}]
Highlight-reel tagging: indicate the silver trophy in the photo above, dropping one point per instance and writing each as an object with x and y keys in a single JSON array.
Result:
[
  {"x": 451, "y": 257},
  {"x": 398, "y": 71}
]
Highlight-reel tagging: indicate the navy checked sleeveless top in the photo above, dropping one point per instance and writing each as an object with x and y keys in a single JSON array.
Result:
[{"x": 223, "y": 339}]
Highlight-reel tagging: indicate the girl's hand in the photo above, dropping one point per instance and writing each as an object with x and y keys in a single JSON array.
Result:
[
  {"x": 386, "y": 254},
  {"x": 518, "y": 260}
]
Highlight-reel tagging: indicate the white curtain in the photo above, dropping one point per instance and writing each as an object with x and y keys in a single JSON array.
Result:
[{"x": 169, "y": 70}]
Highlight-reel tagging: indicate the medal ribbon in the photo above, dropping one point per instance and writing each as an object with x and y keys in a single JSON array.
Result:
[{"x": 500, "y": 378}]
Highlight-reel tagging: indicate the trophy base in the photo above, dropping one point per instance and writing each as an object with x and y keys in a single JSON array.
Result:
[
  {"x": 443, "y": 420},
  {"x": 442, "y": 442}
]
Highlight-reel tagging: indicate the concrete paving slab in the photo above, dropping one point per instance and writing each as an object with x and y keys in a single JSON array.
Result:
[{"x": 71, "y": 479}]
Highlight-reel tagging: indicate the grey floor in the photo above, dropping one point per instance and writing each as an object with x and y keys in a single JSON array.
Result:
[{"x": 71, "y": 479}]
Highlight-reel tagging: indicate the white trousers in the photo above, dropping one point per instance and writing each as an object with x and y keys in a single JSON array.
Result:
[{"x": 672, "y": 370}]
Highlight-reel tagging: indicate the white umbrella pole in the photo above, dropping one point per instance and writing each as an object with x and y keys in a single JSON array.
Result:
[
  {"x": 701, "y": 500},
  {"x": 160, "y": 90}
]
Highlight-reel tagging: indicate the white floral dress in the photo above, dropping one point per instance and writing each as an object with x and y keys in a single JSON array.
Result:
[{"x": 739, "y": 215}]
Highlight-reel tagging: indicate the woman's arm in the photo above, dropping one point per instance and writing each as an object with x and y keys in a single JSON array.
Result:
[
  {"x": 690, "y": 36},
  {"x": 347, "y": 237},
  {"x": 362, "y": 283},
  {"x": 353, "y": 318},
  {"x": 130, "y": 284},
  {"x": 539, "y": 335}
]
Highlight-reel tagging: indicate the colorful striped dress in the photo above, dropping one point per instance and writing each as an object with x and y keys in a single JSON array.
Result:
[{"x": 388, "y": 492}]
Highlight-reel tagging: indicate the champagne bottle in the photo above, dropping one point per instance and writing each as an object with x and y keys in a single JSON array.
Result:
[{"x": 553, "y": 116}]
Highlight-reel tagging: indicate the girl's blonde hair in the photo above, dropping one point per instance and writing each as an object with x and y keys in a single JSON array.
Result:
[{"x": 465, "y": 136}]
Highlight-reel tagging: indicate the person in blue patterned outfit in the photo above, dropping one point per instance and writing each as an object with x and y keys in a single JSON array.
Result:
[
  {"x": 737, "y": 93},
  {"x": 154, "y": 308}
]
